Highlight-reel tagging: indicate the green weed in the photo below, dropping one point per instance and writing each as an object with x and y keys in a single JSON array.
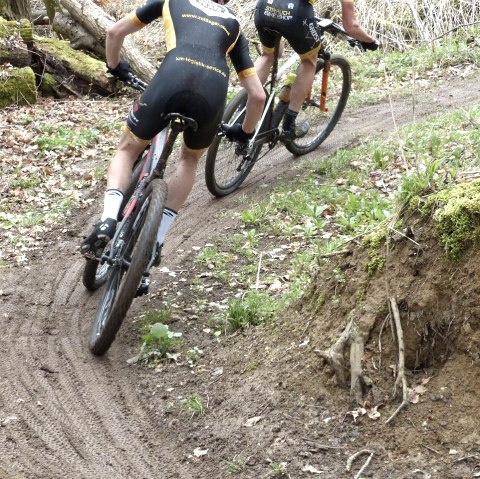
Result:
[
  {"x": 236, "y": 465},
  {"x": 158, "y": 343},
  {"x": 252, "y": 309},
  {"x": 194, "y": 405}
]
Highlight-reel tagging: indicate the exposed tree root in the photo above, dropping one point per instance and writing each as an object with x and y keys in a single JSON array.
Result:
[
  {"x": 359, "y": 382},
  {"x": 334, "y": 356},
  {"x": 401, "y": 378}
]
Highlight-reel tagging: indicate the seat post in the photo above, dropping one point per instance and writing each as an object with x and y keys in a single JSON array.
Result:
[{"x": 276, "y": 52}]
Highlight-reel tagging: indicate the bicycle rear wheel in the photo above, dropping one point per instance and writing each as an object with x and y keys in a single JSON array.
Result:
[
  {"x": 319, "y": 124},
  {"x": 225, "y": 170},
  {"x": 95, "y": 273},
  {"x": 140, "y": 237}
]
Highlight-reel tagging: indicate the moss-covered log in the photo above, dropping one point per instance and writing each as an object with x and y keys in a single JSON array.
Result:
[
  {"x": 17, "y": 86},
  {"x": 96, "y": 21},
  {"x": 76, "y": 71}
]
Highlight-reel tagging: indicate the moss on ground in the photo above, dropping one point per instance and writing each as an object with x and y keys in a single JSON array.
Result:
[{"x": 456, "y": 212}]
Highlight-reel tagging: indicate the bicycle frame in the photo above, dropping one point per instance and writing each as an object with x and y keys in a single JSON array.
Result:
[{"x": 154, "y": 167}]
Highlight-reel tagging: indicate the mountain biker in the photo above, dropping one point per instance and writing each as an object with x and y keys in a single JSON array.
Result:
[
  {"x": 295, "y": 21},
  {"x": 192, "y": 80}
]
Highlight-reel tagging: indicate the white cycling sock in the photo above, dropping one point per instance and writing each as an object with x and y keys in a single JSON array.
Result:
[
  {"x": 167, "y": 220},
  {"x": 111, "y": 207}
]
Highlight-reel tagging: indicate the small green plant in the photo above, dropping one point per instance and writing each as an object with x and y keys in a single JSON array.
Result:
[
  {"x": 193, "y": 355},
  {"x": 194, "y": 404},
  {"x": 236, "y": 465},
  {"x": 252, "y": 309},
  {"x": 158, "y": 343},
  {"x": 278, "y": 470}
]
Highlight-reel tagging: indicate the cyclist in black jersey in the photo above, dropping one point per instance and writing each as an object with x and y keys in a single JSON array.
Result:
[
  {"x": 192, "y": 80},
  {"x": 295, "y": 21}
]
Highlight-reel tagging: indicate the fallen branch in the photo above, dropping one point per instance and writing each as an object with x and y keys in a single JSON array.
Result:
[{"x": 401, "y": 378}]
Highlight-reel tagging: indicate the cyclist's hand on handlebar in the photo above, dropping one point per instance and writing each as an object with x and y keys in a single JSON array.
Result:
[
  {"x": 372, "y": 46},
  {"x": 121, "y": 71},
  {"x": 236, "y": 133}
]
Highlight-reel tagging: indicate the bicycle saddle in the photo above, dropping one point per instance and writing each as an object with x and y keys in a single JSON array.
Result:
[{"x": 182, "y": 121}]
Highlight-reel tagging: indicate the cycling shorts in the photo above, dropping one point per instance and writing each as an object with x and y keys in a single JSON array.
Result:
[
  {"x": 182, "y": 86},
  {"x": 292, "y": 19}
]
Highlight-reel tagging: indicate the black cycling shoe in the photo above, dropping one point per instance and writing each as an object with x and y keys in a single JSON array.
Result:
[
  {"x": 298, "y": 131},
  {"x": 93, "y": 245}
]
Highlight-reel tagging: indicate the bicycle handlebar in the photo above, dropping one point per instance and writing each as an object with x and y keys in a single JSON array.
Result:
[
  {"x": 135, "y": 83},
  {"x": 334, "y": 29}
]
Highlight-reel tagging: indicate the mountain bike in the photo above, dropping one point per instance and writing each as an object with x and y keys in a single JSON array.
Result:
[
  {"x": 229, "y": 163},
  {"x": 128, "y": 258}
]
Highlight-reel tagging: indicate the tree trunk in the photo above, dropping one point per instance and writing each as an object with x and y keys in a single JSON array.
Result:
[
  {"x": 96, "y": 22},
  {"x": 15, "y": 9},
  {"x": 80, "y": 39}
]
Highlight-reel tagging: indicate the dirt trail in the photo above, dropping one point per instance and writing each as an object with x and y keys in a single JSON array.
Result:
[{"x": 66, "y": 414}]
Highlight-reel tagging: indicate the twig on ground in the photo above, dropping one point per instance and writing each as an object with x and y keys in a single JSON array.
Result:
[
  {"x": 404, "y": 235},
  {"x": 466, "y": 458},
  {"x": 354, "y": 456},
  {"x": 431, "y": 449},
  {"x": 401, "y": 378}
]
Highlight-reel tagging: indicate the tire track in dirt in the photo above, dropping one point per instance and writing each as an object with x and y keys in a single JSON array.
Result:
[{"x": 66, "y": 414}]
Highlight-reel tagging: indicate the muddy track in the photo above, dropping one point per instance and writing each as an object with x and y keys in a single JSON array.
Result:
[{"x": 66, "y": 414}]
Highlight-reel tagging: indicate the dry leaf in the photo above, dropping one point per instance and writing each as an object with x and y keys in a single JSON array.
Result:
[
  {"x": 252, "y": 421},
  {"x": 311, "y": 469},
  {"x": 199, "y": 452}
]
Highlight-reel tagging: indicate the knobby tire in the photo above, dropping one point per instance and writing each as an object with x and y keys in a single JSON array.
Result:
[
  {"x": 321, "y": 123},
  {"x": 122, "y": 284}
]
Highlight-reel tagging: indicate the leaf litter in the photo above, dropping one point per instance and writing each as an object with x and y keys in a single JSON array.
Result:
[{"x": 53, "y": 155}]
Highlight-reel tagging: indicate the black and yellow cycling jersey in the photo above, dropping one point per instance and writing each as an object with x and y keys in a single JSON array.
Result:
[
  {"x": 293, "y": 19},
  {"x": 193, "y": 77}
]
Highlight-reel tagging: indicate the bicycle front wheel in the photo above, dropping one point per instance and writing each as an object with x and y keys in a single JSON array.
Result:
[
  {"x": 315, "y": 123},
  {"x": 120, "y": 290},
  {"x": 225, "y": 170}
]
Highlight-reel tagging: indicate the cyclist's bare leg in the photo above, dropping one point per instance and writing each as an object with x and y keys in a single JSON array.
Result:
[
  {"x": 302, "y": 84},
  {"x": 181, "y": 182},
  {"x": 120, "y": 168},
  {"x": 263, "y": 65}
]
